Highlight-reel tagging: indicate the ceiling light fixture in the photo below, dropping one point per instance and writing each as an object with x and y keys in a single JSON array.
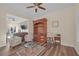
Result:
[{"x": 36, "y": 6}]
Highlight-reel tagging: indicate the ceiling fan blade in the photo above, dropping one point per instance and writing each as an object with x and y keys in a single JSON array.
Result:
[
  {"x": 41, "y": 7},
  {"x": 39, "y": 3},
  {"x": 36, "y": 10},
  {"x": 30, "y": 7},
  {"x": 35, "y": 4}
]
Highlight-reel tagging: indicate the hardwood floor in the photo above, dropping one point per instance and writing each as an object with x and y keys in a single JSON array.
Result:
[
  {"x": 50, "y": 50},
  {"x": 59, "y": 50}
]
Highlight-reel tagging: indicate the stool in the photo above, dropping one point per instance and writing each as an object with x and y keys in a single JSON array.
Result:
[{"x": 57, "y": 39}]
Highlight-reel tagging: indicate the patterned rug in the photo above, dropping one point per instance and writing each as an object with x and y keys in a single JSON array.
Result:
[{"x": 35, "y": 51}]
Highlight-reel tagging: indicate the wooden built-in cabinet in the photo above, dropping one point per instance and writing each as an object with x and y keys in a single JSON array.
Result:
[{"x": 40, "y": 30}]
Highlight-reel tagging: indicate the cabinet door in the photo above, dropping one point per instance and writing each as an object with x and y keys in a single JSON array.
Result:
[{"x": 40, "y": 30}]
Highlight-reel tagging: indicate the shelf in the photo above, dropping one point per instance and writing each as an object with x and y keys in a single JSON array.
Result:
[{"x": 40, "y": 29}]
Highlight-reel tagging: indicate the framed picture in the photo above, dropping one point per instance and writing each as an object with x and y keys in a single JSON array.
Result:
[
  {"x": 55, "y": 23},
  {"x": 23, "y": 27}
]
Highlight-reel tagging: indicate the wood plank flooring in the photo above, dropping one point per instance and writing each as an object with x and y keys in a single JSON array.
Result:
[
  {"x": 61, "y": 50},
  {"x": 50, "y": 50}
]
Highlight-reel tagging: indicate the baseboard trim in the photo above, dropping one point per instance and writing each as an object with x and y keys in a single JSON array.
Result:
[
  {"x": 77, "y": 47},
  {"x": 76, "y": 51},
  {"x": 67, "y": 45}
]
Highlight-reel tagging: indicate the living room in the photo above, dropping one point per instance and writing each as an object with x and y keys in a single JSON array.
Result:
[{"x": 60, "y": 19}]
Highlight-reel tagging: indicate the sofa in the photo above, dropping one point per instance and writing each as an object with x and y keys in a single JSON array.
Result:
[{"x": 15, "y": 40}]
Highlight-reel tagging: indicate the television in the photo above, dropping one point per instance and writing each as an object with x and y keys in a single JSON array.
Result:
[{"x": 23, "y": 27}]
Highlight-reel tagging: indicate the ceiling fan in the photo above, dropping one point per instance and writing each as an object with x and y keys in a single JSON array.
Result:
[{"x": 36, "y": 6}]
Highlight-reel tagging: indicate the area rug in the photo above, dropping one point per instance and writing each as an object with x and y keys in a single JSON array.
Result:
[{"x": 35, "y": 51}]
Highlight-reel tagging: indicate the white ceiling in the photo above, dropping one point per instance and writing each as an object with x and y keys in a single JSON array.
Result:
[
  {"x": 20, "y": 9},
  {"x": 14, "y": 19}
]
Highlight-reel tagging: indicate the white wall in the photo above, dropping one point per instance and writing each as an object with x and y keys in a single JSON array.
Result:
[
  {"x": 77, "y": 27},
  {"x": 66, "y": 25},
  {"x": 30, "y": 26},
  {"x": 2, "y": 28},
  {"x": 77, "y": 21}
]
